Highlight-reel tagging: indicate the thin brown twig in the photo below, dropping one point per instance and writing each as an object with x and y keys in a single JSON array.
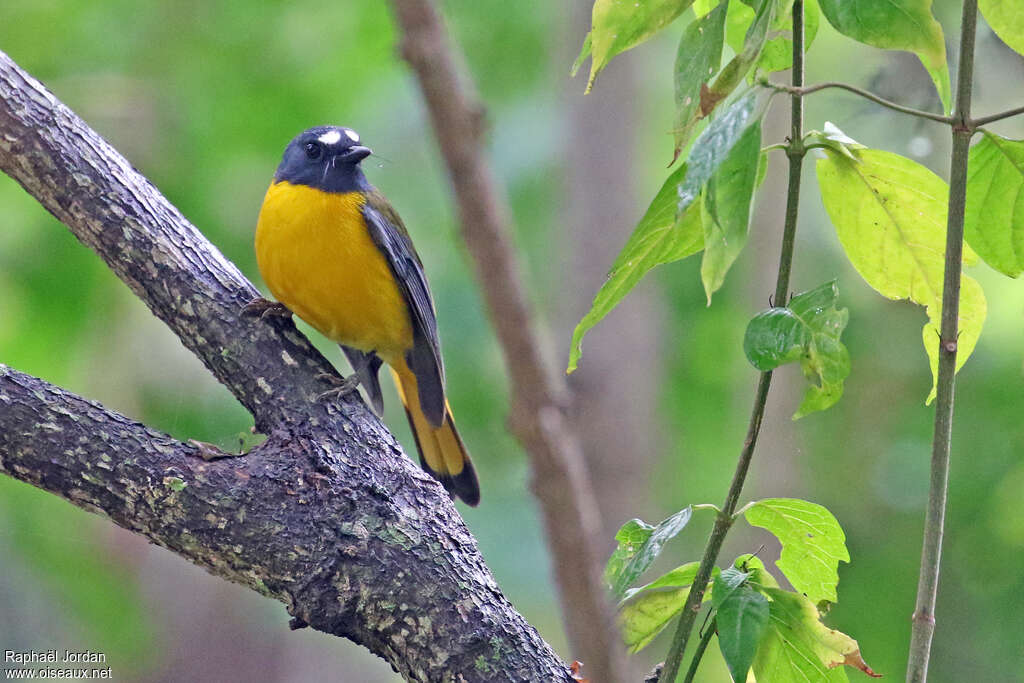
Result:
[
  {"x": 857, "y": 91},
  {"x": 539, "y": 396},
  {"x": 981, "y": 121}
]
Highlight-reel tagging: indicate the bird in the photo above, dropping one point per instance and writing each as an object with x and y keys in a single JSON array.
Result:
[{"x": 332, "y": 250}]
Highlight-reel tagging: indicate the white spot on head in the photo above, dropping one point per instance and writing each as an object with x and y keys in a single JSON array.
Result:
[
  {"x": 330, "y": 137},
  {"x": 352, "y": 135}
]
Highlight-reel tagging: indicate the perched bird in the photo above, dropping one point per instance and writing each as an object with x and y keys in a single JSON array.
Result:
[{"x": 332, "y": 250}]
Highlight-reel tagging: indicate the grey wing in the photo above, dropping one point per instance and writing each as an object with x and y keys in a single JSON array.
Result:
[
  {"x": 366, "y": 366},
  {"x": 424, "y": 359}
]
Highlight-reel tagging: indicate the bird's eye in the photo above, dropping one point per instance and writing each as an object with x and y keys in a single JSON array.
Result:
[{"x": 313, "y": 150}]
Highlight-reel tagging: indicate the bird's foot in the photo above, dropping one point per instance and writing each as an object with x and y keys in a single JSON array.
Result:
[
  {"x": 265, "y": 307},
  {"x": 209, "y": 452},
  {"x": 343, "y": 386}
]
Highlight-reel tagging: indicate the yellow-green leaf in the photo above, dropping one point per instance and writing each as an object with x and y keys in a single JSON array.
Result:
[
  {"x": 994, "y": 219},
  {"x": 895, "y": 25},
  {"x": 796, "y": 646},
  {"x": 890, "y": 214},
  {"x": 813, "y": 543},
  {"x": 618, "y": 25},
  {"x": 660, "y": 237},
  {"x": 647, "y": 610},
  {"x": 1006, "y": 18}
]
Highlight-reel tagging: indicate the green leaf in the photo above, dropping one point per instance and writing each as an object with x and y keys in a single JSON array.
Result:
[
  {"x": 895, "y": 25},
  {"x": 1006, "y": 19},
  {"x": 994, "y": 218},
  {"x": 741, "y": 617},
  {"x": 584, "y": 53},
  {"x": 809, "y": 331},
  {"x": 713, "y": 146},
  {"x": 702, "y": 7},
  {"x": 796, "y": 646},
  {"x": 646, "y": 611},
  {"x": 753, "y": 566},
  {"x": 660, "y": 237},
  {"x": 813, "y": 543},
  {"x": 697, "y": 60},
  {"x": 777, "y": 54},
  {"x": 639, "y": 545},
  {"x": 680, "y": 577},
  {"x": 618, "y": 25},
  {"x": 739, "y": 66},
  {"x": 890, "y": 214},
  {"x": 726, "y": 211}
]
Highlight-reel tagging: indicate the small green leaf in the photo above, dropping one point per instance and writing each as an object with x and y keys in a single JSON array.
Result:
[
  {"x": 890, "y": 214},
  {"x": 618, "y": 25},
  {"x": 808, "y": 330},
  {"x": 994, "y": 218},
  {"x": 796, "y": 646},
  {"x": 660, "y": 237},
  {"x": 726, "y": 212},
  {"x": 680, "y": 577},
  {"x": 697, "y": 60},
  {"x": 646, "y": 611},
  {"x": 1006, "y": 19},
  {"x": 639, "y": 545},
  {"x": 741, "y": 619},
  {"x": 777, "y": 54},
  {"x": 895, "y": 25},
  {"x": 739, "y": 66},
  {"x": 813, "y": 543}
]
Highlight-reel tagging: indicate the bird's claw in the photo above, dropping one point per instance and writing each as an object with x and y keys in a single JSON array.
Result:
[
  {"x": 265, "y": 307},
  {"x": 209, "y": 452},
  {"x": 343, "y": 386}
]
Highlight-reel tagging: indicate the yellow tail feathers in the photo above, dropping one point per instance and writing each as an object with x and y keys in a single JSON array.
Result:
[{"x": 442, "y": 452}]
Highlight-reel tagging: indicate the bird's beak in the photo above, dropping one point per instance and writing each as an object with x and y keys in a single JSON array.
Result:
[{"x": 355, "y": 154}]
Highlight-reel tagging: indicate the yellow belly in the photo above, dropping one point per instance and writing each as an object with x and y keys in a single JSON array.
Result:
[{"x": 317, "y": 258}]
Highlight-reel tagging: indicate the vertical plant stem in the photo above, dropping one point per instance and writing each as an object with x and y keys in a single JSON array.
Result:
[
  {"x": 699, "y": 654},
  {"x": 923, "y": 622},
  {"x": 795, "y": 152}
]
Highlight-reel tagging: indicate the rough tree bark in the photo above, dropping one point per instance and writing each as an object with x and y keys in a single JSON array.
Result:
[
  {"x": 540, "y": 397},
  {"x": 327, "y": 515}
]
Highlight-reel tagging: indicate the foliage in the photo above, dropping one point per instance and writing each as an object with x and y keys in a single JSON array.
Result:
[
  {"x": 806, "y": 330},
  {"x": 758, "y": 625},
  {"x": 895, "y": 25},
  {"x": 993, "y": 226},
  {"x": 890, "y": 214},
  {"x": 639, "y": 545}
]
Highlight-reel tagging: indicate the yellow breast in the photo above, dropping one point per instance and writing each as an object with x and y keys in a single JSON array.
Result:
[{"x": 318, "y": 259}]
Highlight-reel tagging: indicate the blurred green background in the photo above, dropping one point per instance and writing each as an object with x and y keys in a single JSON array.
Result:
[{"x": 202, "y": 97}]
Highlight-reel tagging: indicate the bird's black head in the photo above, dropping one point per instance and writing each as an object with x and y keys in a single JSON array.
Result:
[{"x": 326, "y": 158}]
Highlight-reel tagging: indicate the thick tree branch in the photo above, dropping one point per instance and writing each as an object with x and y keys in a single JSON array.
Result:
[
  {"x": 327, "y": 516},
  {"x": 539, "y": 396}
]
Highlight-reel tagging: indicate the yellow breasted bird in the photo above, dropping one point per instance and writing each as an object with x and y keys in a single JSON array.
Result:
[{"x": 332, "y": 250}]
